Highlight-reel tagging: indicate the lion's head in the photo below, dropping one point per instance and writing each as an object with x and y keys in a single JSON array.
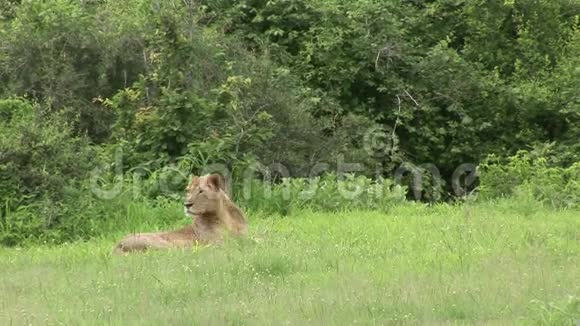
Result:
[{"x": 204, "y": 195}]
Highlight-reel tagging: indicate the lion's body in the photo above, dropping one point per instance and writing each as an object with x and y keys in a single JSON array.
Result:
[{"x": 213, "y": 214}]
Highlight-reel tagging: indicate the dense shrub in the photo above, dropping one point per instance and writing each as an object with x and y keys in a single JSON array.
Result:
[
  {"x": 224, "y": 104},
  {"x": 258, "y": 188},
  {"x": 66, "y": 54},
  {"x": 460, "y": 80},
  {"x": 531, "y": 173},
  {"x": 176, "y": 86},
  {"x": 41, "y": 164},
  {"x": 328, "y": 193}
]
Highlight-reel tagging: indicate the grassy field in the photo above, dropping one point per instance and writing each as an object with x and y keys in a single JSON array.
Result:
[{"x": 483, "y": 264}]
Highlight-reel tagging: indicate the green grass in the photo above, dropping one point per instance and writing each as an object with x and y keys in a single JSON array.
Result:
[{"x": 486, "y": 264}]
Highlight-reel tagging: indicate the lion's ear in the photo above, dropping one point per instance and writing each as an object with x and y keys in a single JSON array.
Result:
[
  {"x": 193, "y": 182},
  {"x": 216, "y": 182}
]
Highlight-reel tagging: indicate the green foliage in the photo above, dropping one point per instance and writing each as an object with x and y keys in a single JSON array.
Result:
[
  {"x": 63, "y": 54},
  {"x": 447, "y": 74},
  {"x": 327, "y": 193},
  {"x": 179, "y": 85},
  {"x": 196, "y": 100},
  {"x": 459, "y": 79},
  {"x": 531, "y": 173},
  {"x": 41, "y": 164},
  {"x": 540, "y": 30}
]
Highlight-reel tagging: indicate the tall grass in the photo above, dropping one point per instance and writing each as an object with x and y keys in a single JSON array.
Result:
[
  {"x": 533, "y": 175},
  {"x": 83, "y": 215},
  {"x": 329, "y": 193},
  {"x": 490, "y": 263}
]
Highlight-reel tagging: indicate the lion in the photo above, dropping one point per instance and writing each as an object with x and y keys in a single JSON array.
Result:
[{"x": 213, "y": 214}]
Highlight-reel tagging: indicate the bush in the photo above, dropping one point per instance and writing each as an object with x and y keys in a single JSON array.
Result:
[
  {"x": 269, "y": 194},
  {"x": 223, "y": 103},
  {"x": 459, "y": 79},
  {"x": 526, "y": 172},
  {"x": 179, "y": 85},
  {"x": 41, "y": 163},
  {"x": 68, "y": 54},
  {"x": 328, "y": 193}
]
